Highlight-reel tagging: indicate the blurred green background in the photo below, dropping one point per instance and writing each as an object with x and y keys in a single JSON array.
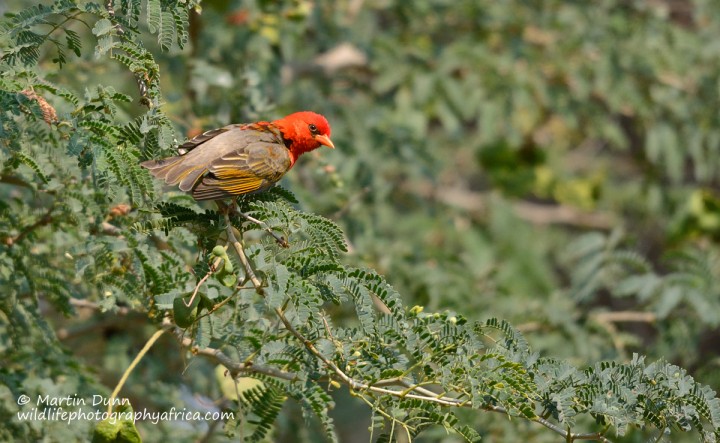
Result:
[{"x": 553, "y": 163}]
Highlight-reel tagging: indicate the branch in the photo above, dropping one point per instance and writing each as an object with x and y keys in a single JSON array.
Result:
[
  {"x": 17, "y": 181},
  {"x": 625, "y": 317},
  {"x": 411, "y": 390},
  {"x": 80, "y": 303},
  {"x": 234, "y": 368},
  {"x": 217, "y": 356},
  {"x": 563, "y": 215},
  {"x": 46, "y": 219},
  {"x": 535, "y": 213},
  {"x": 110, "y": 229}
]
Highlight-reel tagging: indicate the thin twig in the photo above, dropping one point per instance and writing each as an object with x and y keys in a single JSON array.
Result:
[
  {"x": 210, "y": 272},
  {"x": 130, "y": 368},
  {"x": 280, "y": 240},
  {"x": 249, "y": 273},
  {"x": 56, "y": 26},
  {"x": 217, "y": 306}
]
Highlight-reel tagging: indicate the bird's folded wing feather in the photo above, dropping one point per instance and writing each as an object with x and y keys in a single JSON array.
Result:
[{"x": 253, "y": 168}]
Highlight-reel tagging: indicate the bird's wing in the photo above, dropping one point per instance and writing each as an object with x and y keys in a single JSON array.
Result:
[
  {"x": 211, "y": 147},
  {"x": 253, "y": 168}
]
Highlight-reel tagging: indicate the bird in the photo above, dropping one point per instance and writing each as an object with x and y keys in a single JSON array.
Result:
[{"x": 241, "y": 159}]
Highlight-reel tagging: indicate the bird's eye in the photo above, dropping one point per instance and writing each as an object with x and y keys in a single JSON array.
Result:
[{"x": 313, "y": 128}]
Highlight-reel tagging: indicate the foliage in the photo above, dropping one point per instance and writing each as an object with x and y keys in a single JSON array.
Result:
[{"x": 472, "y": 164}]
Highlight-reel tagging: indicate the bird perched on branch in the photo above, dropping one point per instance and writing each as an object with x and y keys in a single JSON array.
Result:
[{"x": 243, "y": 158}]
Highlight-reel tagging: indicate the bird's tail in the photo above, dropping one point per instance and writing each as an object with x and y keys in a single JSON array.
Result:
[{"x": 173, "y": 170}]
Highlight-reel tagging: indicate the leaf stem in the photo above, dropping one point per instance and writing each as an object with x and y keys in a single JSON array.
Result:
[{"x": 130, "y": 368}]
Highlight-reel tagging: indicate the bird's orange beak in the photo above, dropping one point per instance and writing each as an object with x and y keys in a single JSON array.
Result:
[{"x": 325, "y": 140}]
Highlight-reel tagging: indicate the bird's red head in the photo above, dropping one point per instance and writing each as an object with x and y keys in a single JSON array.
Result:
[{"x": 305, "y": 131}]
